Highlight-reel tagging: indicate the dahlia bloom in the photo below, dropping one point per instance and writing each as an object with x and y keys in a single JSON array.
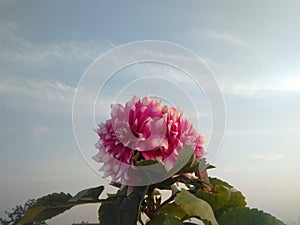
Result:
[{"x": 141, "y": 130}]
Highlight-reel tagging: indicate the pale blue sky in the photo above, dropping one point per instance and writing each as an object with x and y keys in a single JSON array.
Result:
[{"x": 252, "y": 47}]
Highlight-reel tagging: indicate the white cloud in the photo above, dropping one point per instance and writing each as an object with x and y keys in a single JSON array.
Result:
[
  {"x": 27, "y": 58},
  {"x": 35, "y": 73},
  {"x": 261, "y": 132},
  {"x": 218, "y": 35},
  {"x": 39, "y": 130},
  {"x": 268, "y": 157},
  {"x": 225, "y": 36},
  {"x": 241, "y": 67},
  {"x": 268, "y": 86},
  {"x": 18, "y": 51},
  {"x": 42, "y": 90}
]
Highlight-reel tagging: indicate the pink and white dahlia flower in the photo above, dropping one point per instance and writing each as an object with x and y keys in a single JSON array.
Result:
[{"x": 146, "y": 128}]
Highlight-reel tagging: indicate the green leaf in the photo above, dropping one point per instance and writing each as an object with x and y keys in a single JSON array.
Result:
[
  {"x": 210, "y": 167},
  {"x": 246, "y": 216},
  {"x": 88, "y": 195},
  {"x": 151, "y": 171},
  {"x": 147, "y": 171},
  {"x": 173, "y": 209},
  {"x": 226, "y": 197},
  {"x": 47, "y": 207},
  {"x": 215, "y": 181},
  {"x": 191, "y": 166},
  {"x": 54, "y": 204},
  {"x": 146, "y": 162},
  {"x": 203, "y": 165},
  {"x": 165, "y": 219},
  {"x": 195, "y": 207},
  {"x": 115, "y": 184},
  {"x": 165, "y": 184},
  {"x": 120, "y": 208},
  {"x": 186, "y": 162}
]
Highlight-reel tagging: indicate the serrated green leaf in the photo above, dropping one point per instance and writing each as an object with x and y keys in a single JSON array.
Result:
[
  {"x": 210, "y": 167},
  {"x": 216, "y": 201},
  {"x": 54, "y": 204},
  {"x": 46, "y": 208},
  {"x": 247, "y": 216},
  {"x": 165, "y": 219},
  {"x": 226, "y": 197},
  {"x": 235, "y": 199},
  {"x": 149, "y": 171},
  {"x": 88, "y": 195},
  {"x": 195, "y": 207},
  {"x": 203, "y": 165},
  {"x": 157, "y": 169},
  {"x": 173, "y": 209},
  {"x": 215, "y": 181},
  {"x": 122, "y": 209}
]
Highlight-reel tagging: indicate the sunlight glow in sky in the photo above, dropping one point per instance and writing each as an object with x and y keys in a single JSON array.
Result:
[
  {"x": 292, "y": 84},
  {"x": 252, "y": 48}
]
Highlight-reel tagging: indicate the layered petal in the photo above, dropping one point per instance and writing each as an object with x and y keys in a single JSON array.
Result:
[{"x": 143, "y": 126}]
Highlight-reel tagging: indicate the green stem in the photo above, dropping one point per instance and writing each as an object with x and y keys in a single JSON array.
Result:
[{"x": 167, "y": 201}]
